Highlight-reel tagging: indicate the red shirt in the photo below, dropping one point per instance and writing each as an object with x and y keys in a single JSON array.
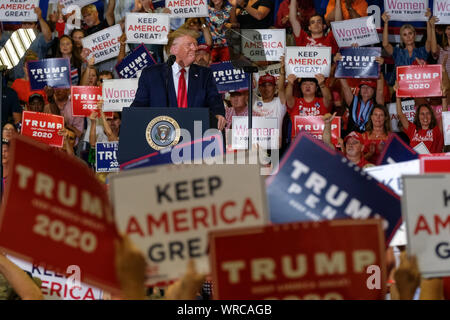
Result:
[
  {"x": 303, "y": 108},
  {"x": 363, "y": 162},
  {"x": 304, "y": 40},
  {"x": 432, "y": 138},
  {"x": 379, "y": 146}
]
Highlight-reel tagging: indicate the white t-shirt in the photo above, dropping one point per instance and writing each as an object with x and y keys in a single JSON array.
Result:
[
  {"x": 272, "y": 109},
  {"x": 100, "y": 133}
]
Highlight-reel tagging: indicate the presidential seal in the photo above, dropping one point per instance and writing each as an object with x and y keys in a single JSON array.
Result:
[{"x": 162, "y": 132}]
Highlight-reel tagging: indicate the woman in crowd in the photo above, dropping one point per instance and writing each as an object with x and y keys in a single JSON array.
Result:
[
  {"x": 378, "y": 128},
  {"x": 218, "y": 21},
  {"x": 409, "y": 53},
  {"x": 66, "y": 49},
  {"x": 252, "y": 14},
  {"x": 425, "y": 127},
  {"x": 77, "y": 35},
  {"x": 360, "y": 106}
]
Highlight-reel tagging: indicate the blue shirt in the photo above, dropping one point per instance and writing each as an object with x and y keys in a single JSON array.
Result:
[{"x": 402, "y": 58}]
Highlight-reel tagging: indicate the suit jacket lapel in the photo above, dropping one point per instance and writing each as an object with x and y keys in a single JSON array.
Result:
[
  {"x": 172, "y": 95},
  {"x": 193, "y": 85}
]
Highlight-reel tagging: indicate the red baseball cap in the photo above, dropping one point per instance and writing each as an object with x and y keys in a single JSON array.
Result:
[
  {"x": 369, "y": 83},
  {"x": 204, "y": 47},
  {"x": 267, "y": 78},
  {"x": 355, "y": 135}
]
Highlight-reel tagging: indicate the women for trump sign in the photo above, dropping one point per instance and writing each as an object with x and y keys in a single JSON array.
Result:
[{"x": 362, "y": 31}]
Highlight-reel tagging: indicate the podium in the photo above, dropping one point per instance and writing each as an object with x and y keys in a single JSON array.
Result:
[{"x": 147, "y": 130}]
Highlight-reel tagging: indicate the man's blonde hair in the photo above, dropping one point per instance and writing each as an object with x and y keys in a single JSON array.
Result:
[
  {"x": 173, "y": 35},
  {"x": 89, "y": 8}
]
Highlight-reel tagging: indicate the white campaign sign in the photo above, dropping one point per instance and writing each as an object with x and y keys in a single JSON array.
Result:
[
  {"x": 263, "y": 44},
  {"x": 391, "y": 176},
  {"x": 57, "y": 286},
  {"x": 187, "y": 8},
  {"x": 172, "y": 208},
  {"x": 305, "y": 62},
  {"x": 441, "y": 9},
  {"x": 426, "y": 212},
  {"x": 13, "y": 10},
  {"x": 118, "y": 93},
  {"x": 409, "y": 110},
  {"x": 362, "y": 31},
  {"x": 80, "y": 3},
  {"x": 147, "y": 27},
  {"x": 406, "y": 10},
  {"x": 105, "y": 44},
  {"x": 265, "y": 132},
  {"x": 446, "y": 127}
]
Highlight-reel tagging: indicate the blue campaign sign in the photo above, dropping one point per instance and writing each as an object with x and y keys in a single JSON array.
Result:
[
  {"x": 396, "y": 150},
  {"x": 134, "y": 62},
  {"x": 358, "y": 63},
  {"x": 315, "y": 182},
  {"x": 190, "y": 151},
  {"x": 228, "y": 78},
  {"x": 54, "y": 72},
  {"x": 106, "y": 157}
]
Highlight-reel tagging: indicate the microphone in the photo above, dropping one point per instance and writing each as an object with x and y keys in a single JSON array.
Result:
[{"x": 171, "y": 60}]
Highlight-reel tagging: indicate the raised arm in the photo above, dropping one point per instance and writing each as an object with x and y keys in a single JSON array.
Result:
[
  {"x": 259, "y": 13},
  {"x": 379, "y": 97},
  {"x": 22, "y": 284},
  {"x": 431, "y": 43},
  {"x": 281, "y": 81},
  {"x": 110, "y": 12},
  {"x": 93, "y": 129},
  {"x": 123, "y": 45},
  {"x": 85, "y": 75},
  {"x": 290, "y": 99},
  {"x": 337, "y": 11},
  {"x": 326, "y": 93},
  {"x": 386, "y": 45},
  {"x": 43, "y": 24},
  {"x": 206, "y": 32},
  {"x": 326, "y": 136},
  {"x": 401, "y": 116},
  {"x": 296, "y": 27}
]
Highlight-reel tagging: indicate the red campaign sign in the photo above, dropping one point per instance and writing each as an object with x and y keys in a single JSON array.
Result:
[
  {"x": 314, "y": 125},
  {"x": 419, "y": 81},
  {"x": 84, "y": 101},
  {"x": 435, "y": 163},
  {"x": 313, "y": 260},
  {"x": 43, "y": 127},
  {"x": 56, "y": 212}
]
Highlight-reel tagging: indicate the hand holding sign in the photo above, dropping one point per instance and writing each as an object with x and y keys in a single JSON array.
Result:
[
  {"x": 130, "y": 267},
  {"x": 187, "y": 287},
  {"x": 407, "y": 277}
]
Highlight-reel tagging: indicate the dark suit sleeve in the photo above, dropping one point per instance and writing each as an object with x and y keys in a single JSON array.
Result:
[
  {"x": 213, "y": 97},
  {"x": 142, "y": 98}
]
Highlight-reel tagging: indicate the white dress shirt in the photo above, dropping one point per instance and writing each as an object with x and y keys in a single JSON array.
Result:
[{"x": 176, "y": 76}]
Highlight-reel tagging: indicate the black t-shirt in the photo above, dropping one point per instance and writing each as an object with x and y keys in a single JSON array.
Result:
[
  {"x": 102, "y": 25},
  {"x": 10, "y": 104},
  {"x": 247, "y": 21}
]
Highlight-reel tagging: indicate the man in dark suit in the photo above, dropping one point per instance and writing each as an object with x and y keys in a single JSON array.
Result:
[{"x": 189, "y": 85}]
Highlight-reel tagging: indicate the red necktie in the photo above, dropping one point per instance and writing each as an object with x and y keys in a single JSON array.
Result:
[{"x": 182, "y": 92}]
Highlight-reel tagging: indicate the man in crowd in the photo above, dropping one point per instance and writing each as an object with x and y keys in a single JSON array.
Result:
[{"x": 203, "y": 55}]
